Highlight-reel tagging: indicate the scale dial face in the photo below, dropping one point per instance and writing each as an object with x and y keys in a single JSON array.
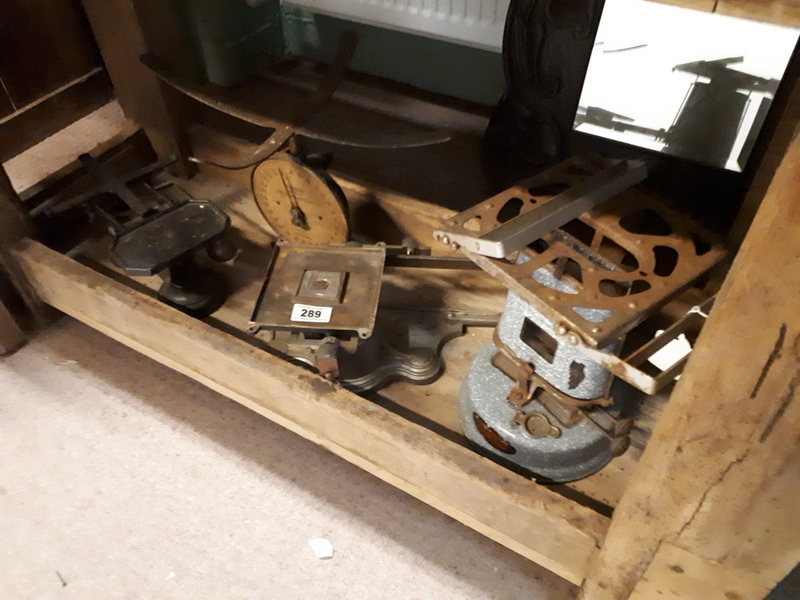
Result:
[{"x": 302, "y": 204}]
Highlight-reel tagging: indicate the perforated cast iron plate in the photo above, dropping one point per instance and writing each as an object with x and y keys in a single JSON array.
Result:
[{"x": 628, "y": 256}]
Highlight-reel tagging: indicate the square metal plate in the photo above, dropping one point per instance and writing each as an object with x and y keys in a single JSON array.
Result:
[{"x": 321, "y": 288}]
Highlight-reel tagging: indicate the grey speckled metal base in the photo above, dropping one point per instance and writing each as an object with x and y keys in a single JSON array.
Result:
[{"x": 579, "y": 451}]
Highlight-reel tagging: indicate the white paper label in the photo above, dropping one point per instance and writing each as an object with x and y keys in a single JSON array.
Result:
[{"x": 311, "y": 314}]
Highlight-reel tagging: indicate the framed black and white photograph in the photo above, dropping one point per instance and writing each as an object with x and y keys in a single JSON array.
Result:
[{"x": 683, "y": 82}]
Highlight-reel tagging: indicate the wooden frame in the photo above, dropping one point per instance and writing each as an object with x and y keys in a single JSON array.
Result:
[
  {"x": 779, "y": 12},
  {"x": 709, "y": 511},
  {"x": 60, "y": 108}
]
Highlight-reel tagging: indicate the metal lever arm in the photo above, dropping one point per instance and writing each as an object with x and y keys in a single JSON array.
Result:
[{"x": 546, "y": 216}]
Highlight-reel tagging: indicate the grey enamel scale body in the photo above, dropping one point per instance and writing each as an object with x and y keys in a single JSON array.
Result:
[{"x": 577, "y": 451}]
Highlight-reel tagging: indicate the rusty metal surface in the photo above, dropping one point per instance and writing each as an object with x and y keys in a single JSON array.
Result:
[
  {"x": 630, "y": 367},
  {"x": 306, "y": 117},
  {"x": 282, "y": 131},
  {"x": 358, "y": 269},
  {"x": 427, "y": 261},
  {"x": 627, "y": 257},
  {"x": 510, "y": 220}
]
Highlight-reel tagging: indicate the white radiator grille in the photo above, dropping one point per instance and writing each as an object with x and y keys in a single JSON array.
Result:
[{"x": 472, "y": 22}]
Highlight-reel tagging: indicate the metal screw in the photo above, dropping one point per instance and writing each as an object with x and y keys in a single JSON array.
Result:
[
  {"x": 445, "y": 240},
  {"x": 561, "y": 330},
  {"x": 573, "y": 339},
  {"x": 516, "y": 396},
  {"x": 454, "y": 246}
]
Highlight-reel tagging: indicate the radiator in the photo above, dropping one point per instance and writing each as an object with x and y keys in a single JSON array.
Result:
[{"x": 471, "y": 22}]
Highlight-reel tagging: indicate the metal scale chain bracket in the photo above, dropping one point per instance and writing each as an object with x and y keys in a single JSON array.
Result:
[
  {"x": 586, "y": 257},
  {"x": 157, "y": 229}
]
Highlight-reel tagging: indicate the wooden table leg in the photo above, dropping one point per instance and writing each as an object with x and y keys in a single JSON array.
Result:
[
  {"x": 11, "y": 336},
  {"x": 14, "y": 225},
  {"x": 14, "y": 221},
  {"x": 123, "y": 36},
  {"x": 712, "y": 510}
]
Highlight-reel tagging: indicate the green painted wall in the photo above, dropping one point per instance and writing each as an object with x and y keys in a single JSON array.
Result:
[
  {"x": 232, "y": 37},
  {"x": 430, "y": 64}
]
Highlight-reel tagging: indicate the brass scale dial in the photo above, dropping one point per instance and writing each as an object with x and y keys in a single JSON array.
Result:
[{"x": 301, "y": 203}]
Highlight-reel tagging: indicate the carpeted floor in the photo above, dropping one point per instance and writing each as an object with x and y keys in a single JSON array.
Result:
[{"x": 124, "y": 479}]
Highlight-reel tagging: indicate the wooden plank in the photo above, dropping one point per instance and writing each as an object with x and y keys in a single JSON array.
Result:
[
  {"x": 14, "y": 224},
  {"x": 121, "y": 40},
  {"x": 26, "y": 128},
  {"x": 676, "y": 574},
  {"x": 746, "y": 522},
  {"x": 778, "y": 12},
  {"x": 54, "y": 183},
  {"x": 526, "y": 517},
  {"x": 6, "y": 105},
  {"x": 44, "y": 44},
  {"x": 11, "y": 336},
  {"x": 721, "y": 474},
  {"x": 14, "y": 221},
  {"x": 704, "y": 5}
]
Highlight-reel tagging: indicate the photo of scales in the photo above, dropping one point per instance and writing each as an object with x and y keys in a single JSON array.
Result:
[{"x": 686, "y": 83}]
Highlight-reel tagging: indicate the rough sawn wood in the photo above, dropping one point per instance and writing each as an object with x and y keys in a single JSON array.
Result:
[
  {"x": 720, "y": 476},
  {"x": 528, "y": 518}
]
